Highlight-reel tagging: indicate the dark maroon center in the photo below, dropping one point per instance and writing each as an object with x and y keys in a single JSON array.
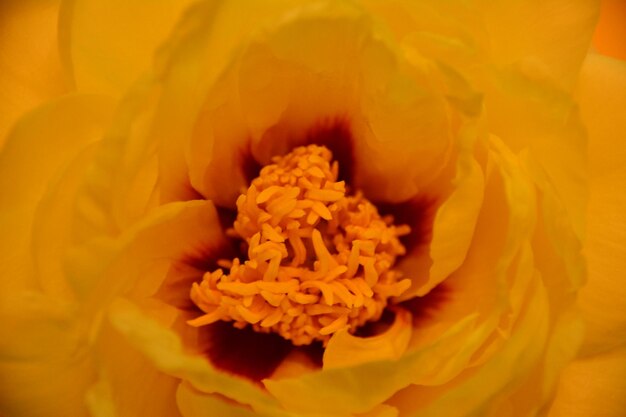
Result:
[{"x": 254, "y": 355}]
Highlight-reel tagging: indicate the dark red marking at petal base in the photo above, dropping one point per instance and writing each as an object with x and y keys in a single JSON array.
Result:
[
  {"x": 226, "y": 217},
  {"x": 425, "y": 307},
  {"x": 192, "y": 193},
  {"x": 247, "y": 353},
  {"x": 337, "y": 137},
  {"x": 242, "y": 352},
  {"x": 374, "y": 328},
  {"x": 249, "y": 166},
  {"x": 418, "y": 214},
  {"x": 184, "y": 272}
]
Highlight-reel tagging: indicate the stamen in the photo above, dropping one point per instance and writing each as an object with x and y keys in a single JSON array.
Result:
[{"x": 318, "y": 260}]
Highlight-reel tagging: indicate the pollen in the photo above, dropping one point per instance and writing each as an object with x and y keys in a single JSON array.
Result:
[{"x": 318, "y": 260}]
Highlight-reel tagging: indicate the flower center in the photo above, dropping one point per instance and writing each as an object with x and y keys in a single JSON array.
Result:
[{"x": 318, "y": 260}]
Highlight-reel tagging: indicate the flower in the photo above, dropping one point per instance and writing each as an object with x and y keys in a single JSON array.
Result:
[{"x": 387, "y": 199}]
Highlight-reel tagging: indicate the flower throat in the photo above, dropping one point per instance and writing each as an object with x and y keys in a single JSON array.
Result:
[{"x": 319, "y": 261}]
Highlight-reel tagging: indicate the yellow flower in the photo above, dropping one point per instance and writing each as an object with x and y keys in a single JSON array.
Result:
[{"x": 313, "y": 208}]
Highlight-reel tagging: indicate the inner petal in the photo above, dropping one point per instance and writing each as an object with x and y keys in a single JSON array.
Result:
[{"x": 319, "y": 260}]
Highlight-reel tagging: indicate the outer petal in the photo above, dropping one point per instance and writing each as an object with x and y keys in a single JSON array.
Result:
[
  {"x": 478, "y": 389},
  {"x": 345, "y": 349},
  {"x": 193, "y": 403},
  {"x": 30, "y": 66},
  {"x": 196, "y": 54},
  {"x": 163, "y": 348},
  {"x": 129, "y": 384},
  {"x": 41, "y": 145},
  {"x": 555, "y": 32},
  {"x": 110, "y": 43},
  {"x": 273, "y": 97},
  {"x": 44, "y": 360},
  {"x": 603, "y": 104},
  {"x": 136, "y": 262},
  {"x": 593, "y": 387}
]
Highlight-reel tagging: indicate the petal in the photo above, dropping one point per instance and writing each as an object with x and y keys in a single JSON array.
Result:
[
  {"x": 529, "y": 112},
  {"x": 163, "y": 348},
  {"x": 345, "y": 349},
  {"x": 44, "y": 357},
  {"x": 593, "y": 387},
  {"x": 198, "y": 52},
  {"x": 52, "y": 225},
  {"x": 453, "y": 225},
  {"x": 275, "y": 96},
  {"x": 48, "y": 138},
  {"x": 110, "y": 43},
  {"x": 193, "y": 403},
  {"x": 40, "y": 146},
  {"x": 602, "y": 299},
  {"x": 129, "y": 383},
  {"x": 30, "y": 66},
  {"x": 136, "y": 262},
  {"x": 446, "y": 345},
  {"x": 358, "y": 389},
  {"x": 555, "y": 32},
  {"x": 99, "y": 401},
  {"x": 602, "y": 96},
  {"x": 455, "y": 221},
  {"x": 475, "y": 392}
]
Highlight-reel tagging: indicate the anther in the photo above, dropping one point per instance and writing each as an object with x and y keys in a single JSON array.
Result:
[{"x": 319, "y": 260}]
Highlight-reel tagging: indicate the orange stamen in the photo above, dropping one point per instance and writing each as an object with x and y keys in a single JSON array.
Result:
[{"x": 319, "y": 261}]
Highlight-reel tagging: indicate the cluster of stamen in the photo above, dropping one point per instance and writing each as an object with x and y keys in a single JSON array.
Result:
[{"x": 318, "y": 260}]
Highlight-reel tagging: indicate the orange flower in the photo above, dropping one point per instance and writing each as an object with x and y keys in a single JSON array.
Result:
[{"x": 312, "y": 208}]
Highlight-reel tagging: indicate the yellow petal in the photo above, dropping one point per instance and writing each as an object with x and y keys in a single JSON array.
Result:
[
  {"x": 99, "y": 401},
  {"x": 108, "y": 44},
  {"x": 454, "y": 223},
  {"x": 593, "y": 387},
  {"x": 277, "y": 97},
  {"x": 137, "y": 261},
  {"x": 39, "y": 147},
  {"x": 163, "y": 348},
  {"x": 200, "y": 48},
  {"x": 344, "y": 349},
  {"x": 498, "y": 32},
  {"x": 602, "y": 95},
  {"x": 193, "y": 403},
  {"x": 129, "y": 384},
  {"x": 44, "y": 357},
  {"x": 555, "y": 32},
  {"x": 445, "y": 345},
  {"x": 381, "y": 410},
  {"x": 476, "y": 392},
  {"x": 30, "y": 66},
  {"x": 52, "y": 225},
  {"x": 529, "y": 112},
  {"x": 359, "y": 388}
]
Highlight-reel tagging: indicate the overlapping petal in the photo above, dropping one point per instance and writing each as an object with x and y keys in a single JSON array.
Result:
[
  {"x": 602, "y": 91},
  {"x": 503, "y": 171},
  {"x": 27, "y": 183},
  {"x": 30, "y": 66}
]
